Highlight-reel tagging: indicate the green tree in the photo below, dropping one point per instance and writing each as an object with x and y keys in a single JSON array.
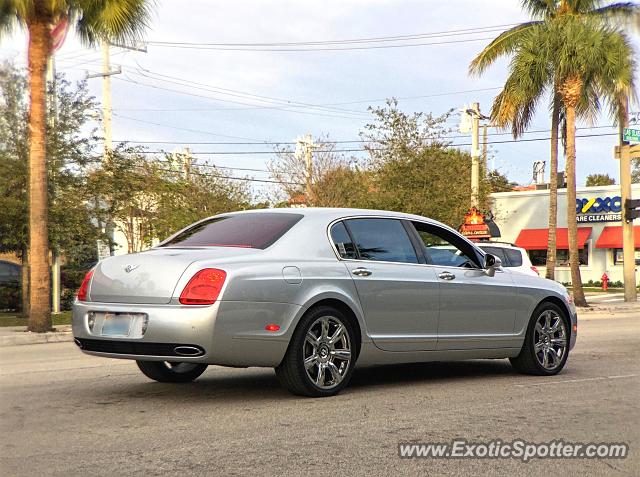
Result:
[
  {"x": 70, "y": 230},
  {"x": 600, "y": 180},
  {"x": 336, "y": 181},
  {"x": 498, "y": 182},
  {"x": 562, "y": 26},
  {"x": 414, "y": 170},
  {"x": 117, "y": 20},
  {"x": 147, "y": 198}
]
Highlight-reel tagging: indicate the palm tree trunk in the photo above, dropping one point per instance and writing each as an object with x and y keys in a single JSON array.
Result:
[
  {"x": 574, "y": 261},
  {"x": 39, "y": 278},
  {"x": 553, "y": 191}
]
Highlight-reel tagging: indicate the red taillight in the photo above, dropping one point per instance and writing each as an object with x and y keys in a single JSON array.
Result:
[
  {"x": 272, "y": 327},
  {"x": 204, "y": 287},
  {"x": 535, "y": 270},
  {"x": 84, "y": 288}
]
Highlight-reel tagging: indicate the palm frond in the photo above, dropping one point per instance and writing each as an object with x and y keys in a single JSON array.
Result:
[
  {"x": 14, "y": 13},
  {"x": 504, "y": 44},
  {"x": 625, "y": 14},
  {"x": 540, "y": 8},
  {"x": 115, "y": 20}
]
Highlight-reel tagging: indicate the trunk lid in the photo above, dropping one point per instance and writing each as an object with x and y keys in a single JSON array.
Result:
[{"x": 150, "y": 277}]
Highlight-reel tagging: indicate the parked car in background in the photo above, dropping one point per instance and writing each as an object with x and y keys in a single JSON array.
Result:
[
  {"x": 10, "y": 278},
  {"x": 311, "y": 292},
  {"x": 512, "y": 257}
]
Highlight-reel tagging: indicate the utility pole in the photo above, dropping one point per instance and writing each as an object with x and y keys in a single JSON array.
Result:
[
  {"x": 305, "y": 145},
  {"x": 475, "y": 154},
  {"x": 106, "y": 75},
  {"x": 485, "y": 145},
  {"x": 106, "y": 97},
  {"x": 628, "y": 242},
  {"x": 55, "y": 257}
]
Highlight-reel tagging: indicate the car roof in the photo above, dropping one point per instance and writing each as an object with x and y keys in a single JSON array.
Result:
[{"x": 333, "y": 213}]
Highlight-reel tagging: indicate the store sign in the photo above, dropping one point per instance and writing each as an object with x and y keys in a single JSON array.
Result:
[
  {"x": 474, "y": 225},
  {"x": 599, "y": 209}
]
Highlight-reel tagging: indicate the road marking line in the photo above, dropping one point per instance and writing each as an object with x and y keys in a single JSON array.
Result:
[{"x": 598, "y": 378}]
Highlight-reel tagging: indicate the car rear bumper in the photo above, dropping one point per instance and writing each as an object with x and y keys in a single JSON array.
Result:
[{"x": 226, "y": 333}]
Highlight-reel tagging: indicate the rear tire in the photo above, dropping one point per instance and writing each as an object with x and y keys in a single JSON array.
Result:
[
  {"x": 171, "y": 372},
  {"x": 546, "y": 344},
  {"x": 321, "y": 355}
]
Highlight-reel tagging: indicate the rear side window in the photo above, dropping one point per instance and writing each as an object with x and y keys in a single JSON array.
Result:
[
  {"x": 382, "y": 240},
  {"x": 251, "y": 230},
  {"x": 514, "y": 256},
  {"x": 342, "y": 241}
]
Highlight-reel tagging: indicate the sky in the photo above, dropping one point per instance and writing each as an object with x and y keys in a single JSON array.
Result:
[{"x": 228, "y": 92}]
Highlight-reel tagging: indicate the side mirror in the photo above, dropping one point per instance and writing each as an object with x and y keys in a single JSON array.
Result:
[{"x": 491, "y": 262}]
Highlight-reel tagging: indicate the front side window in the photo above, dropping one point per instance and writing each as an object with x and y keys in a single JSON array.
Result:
[
  {"x": 382, "y": 240},
  {"x": 250, "y": 230},
  {"x": 444, "y": 248}
]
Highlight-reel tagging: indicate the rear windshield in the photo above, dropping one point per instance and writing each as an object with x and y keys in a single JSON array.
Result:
[{"x": 258, "y": 230}]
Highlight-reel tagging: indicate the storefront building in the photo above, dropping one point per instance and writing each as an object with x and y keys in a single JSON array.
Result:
[{"x": 523, "y": 219}]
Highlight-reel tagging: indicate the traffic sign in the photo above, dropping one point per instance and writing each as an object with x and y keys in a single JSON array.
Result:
[{"x": 631, "y": 135}]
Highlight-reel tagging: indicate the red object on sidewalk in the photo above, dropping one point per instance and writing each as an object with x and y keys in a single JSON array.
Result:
[{"x": 605, "y": 282}]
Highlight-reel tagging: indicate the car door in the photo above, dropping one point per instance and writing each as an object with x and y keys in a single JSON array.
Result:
[
  {"x": 476, "y": 310},
  {"x": 398, "y": 293}
]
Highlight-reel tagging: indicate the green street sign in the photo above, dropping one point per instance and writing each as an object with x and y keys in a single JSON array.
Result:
[{"x": 631, "y": 135}]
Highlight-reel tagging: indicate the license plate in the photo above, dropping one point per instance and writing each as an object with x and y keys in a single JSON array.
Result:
[{"x": 116, "y": 324}]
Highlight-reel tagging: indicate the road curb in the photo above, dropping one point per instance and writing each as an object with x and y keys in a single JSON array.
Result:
[{"x": 17, "y": 337}]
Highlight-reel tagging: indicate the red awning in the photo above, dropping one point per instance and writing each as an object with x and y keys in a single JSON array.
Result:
[
  {"x": 611, "y": 237},
  {"x": 538, "y": 239}
]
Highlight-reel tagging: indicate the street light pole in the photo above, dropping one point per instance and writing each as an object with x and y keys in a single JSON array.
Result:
[{"x": 628, "y": 241}]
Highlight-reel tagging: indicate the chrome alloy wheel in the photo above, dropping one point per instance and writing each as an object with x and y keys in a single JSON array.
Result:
[
  {"x": 326, "y": 352},
  {"x": 550, "y": 340}
]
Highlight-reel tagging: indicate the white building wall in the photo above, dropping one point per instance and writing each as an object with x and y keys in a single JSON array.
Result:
[{"x": 516, "y": 211}]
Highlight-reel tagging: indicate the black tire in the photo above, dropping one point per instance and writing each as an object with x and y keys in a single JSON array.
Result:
[
  {"x": 528, "y": 361},
  {"x": 170, "y": 372},
  {"x": 292, "y": 373}
]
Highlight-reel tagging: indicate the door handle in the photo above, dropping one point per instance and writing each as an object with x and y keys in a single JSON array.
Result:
[
  {"x": 362, "y": 272},
  {"x": 446, "y": 276}
]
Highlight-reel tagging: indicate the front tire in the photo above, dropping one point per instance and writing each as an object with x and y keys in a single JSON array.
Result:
[
  {"x": 321, "y": 355},
  {"x": 171, "y": 372},
  {"x": 546, "y": 345}
]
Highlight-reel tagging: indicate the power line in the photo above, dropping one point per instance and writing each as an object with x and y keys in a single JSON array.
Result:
[
  {"x": 376, "y": 100},
  {"x": 240, "y": 94},
  {"x": 348, "y": 48},
  {"x": 251, "y": 153},
  {"x": 344, "y": 44},
  {"x": 353, "y": 141}
]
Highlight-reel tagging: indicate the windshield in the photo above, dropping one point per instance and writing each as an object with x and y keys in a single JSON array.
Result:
[{"x": 251, "y": 230}]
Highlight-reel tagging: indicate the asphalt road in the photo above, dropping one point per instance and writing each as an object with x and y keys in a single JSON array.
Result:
[{"x": 64, "y": 413}]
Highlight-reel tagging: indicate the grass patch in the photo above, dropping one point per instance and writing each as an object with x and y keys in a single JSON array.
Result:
[{"x": 13, "y": 319}]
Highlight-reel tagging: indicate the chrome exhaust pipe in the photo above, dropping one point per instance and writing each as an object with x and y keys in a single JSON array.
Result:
[
  {"x": 187, "y": 351},
  {"x": 77, "y": 342}
]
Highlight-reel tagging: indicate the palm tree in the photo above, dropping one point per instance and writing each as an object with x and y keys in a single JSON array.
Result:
[
  {"x": 117, "y": 20},
  {"x": 516, "y": 103}
]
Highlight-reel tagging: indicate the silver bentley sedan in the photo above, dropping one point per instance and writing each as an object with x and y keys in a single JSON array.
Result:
[{"x": 313, "y": 292}]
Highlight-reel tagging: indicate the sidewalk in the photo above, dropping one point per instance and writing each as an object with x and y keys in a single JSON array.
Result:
[{"x": 18, "y": 335}]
